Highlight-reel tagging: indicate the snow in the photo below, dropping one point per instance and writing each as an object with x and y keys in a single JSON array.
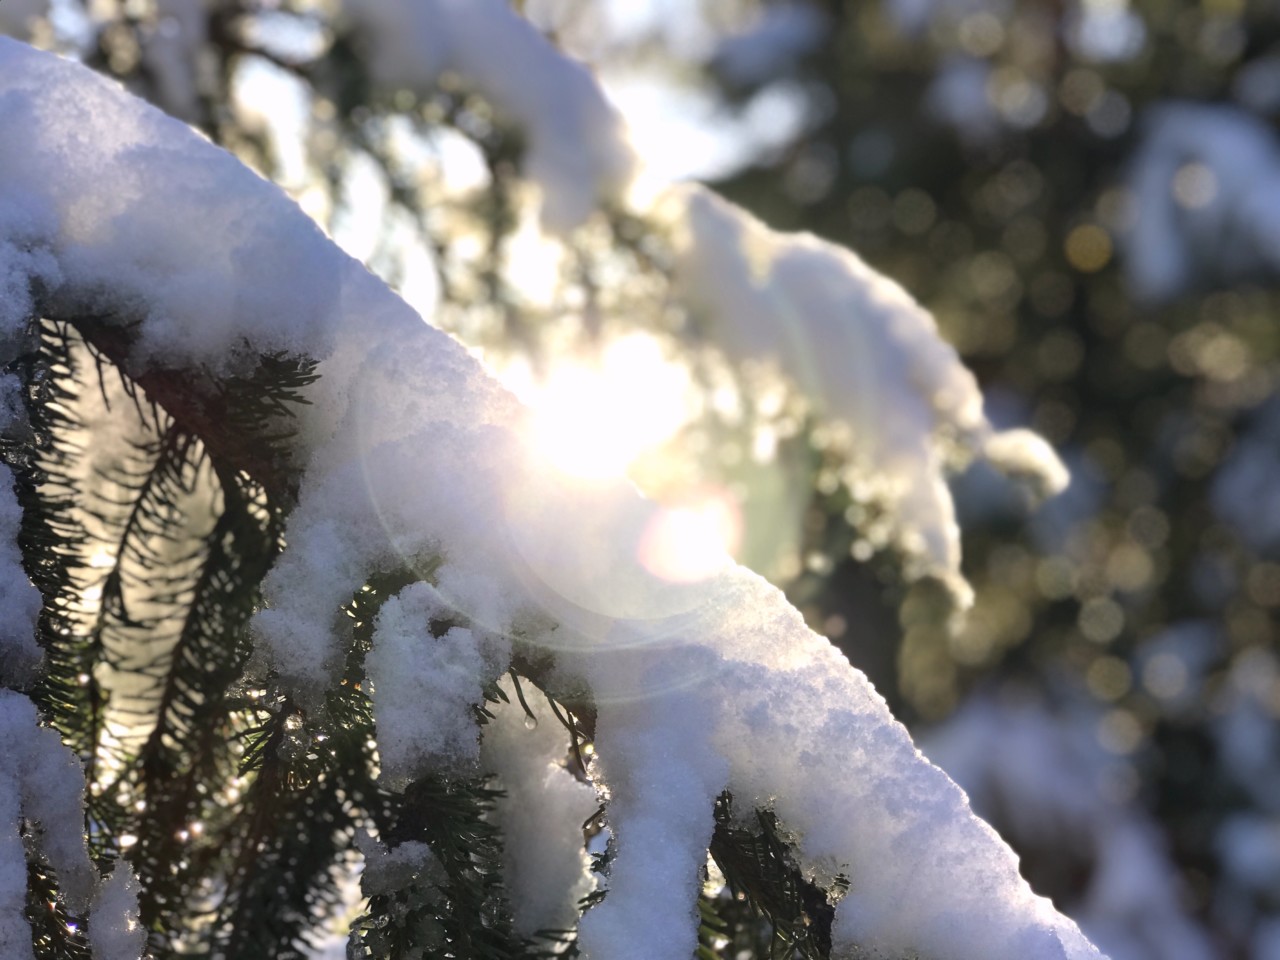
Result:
[
  {"x": 576, "y": 153},
  {"x": 15, "y": 935},
  {"x": 410, "y": 456},
  {"x": 685, "y": 132},
  {"x": 386, "y": 871},
  {"x": 20, "y": 602},
  {"x": 40, "y": 782},
  {"x": 1027, "y": 456},
  {"x": 115, "y": 931},
  {"x": 1045, "y": 775},
  {"x": 866, "y": 355},
  {"x": 656, "y": 758},
  {"x": 1206, "y": 190},
  {"x": 547, "y": 870},
  {"x": 104, "y": 219},
  {"x": 424, "y": 686}
]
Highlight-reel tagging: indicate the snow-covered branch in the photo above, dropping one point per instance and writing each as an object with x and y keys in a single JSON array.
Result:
[{"x": 411, "y": 456}]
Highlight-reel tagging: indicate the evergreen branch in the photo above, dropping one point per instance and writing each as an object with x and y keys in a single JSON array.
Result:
[
  {"x": 216, "y": 409},
  {"x": 311, "y": 785},
  {"x": 764, "y": 881},
  {"x": 186, "y": 555},
  {"x": 468, "y": 911},
  {"x": 301, "y": 808},
  {"x": 189, "y": 748},
  {"x": 305, "y": 800},
  {"x": 464, "y": 914},
  {"x": 569, "y": 722},
  {"x": 55, "y": 934},
  {"x": 53, "y": 534}
]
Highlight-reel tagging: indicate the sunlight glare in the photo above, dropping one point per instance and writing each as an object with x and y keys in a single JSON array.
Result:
[
  {"x": 102, "y": 558},
  {"x": 693, "y": 539},
  {"x": 595, "y": 419}
]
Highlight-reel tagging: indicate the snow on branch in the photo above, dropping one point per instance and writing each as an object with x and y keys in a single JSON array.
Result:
[
  {"x": 411, "y": 457},
  {"x": 1205, "y": 196},
  {"x": 20, "y": 655},
  {"x": 866, "y": 356},
  {"x": 541, "y": 817},
  {"x": 577, "y": 153},
  {"x": 40, "y": 783},
  {"x": 115, "y": 931}
]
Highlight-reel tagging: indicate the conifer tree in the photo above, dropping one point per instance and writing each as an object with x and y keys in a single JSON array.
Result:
[
  {"x": 1082, "y": 245},
  {"x": 307, "y": 601}
]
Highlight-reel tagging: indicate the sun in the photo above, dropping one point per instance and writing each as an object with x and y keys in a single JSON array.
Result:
[
  {"x": 693, "y": 537},
  {"x": 595, "y": 418}
]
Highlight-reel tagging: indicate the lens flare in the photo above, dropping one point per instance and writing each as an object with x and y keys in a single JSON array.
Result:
[
  {"x": 692, "y": 539},
  {"x": 595, "y": 419}
]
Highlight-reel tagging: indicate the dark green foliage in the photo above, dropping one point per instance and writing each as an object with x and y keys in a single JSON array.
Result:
[
  {"x": 307, "y": 791},
  {"x": 55, "y": 934},
  {"x": 53, "y": 533},
  {"x": 460, "y": 912},
  {"x": 770, "y": 907},
  {"x": 187, "y": 751},
  {"x": 464, "y": 914},
  {"x": 237, "y": 807},
  {"x": 174, "y": 541}
]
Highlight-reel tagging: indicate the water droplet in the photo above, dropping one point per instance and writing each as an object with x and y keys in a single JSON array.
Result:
[{"x": 530, "y": 721}]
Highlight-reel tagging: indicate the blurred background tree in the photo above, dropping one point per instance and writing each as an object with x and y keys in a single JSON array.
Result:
[
  {"x": 1084, "y": 192},
  {"x": 1083, "y": 195}
]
